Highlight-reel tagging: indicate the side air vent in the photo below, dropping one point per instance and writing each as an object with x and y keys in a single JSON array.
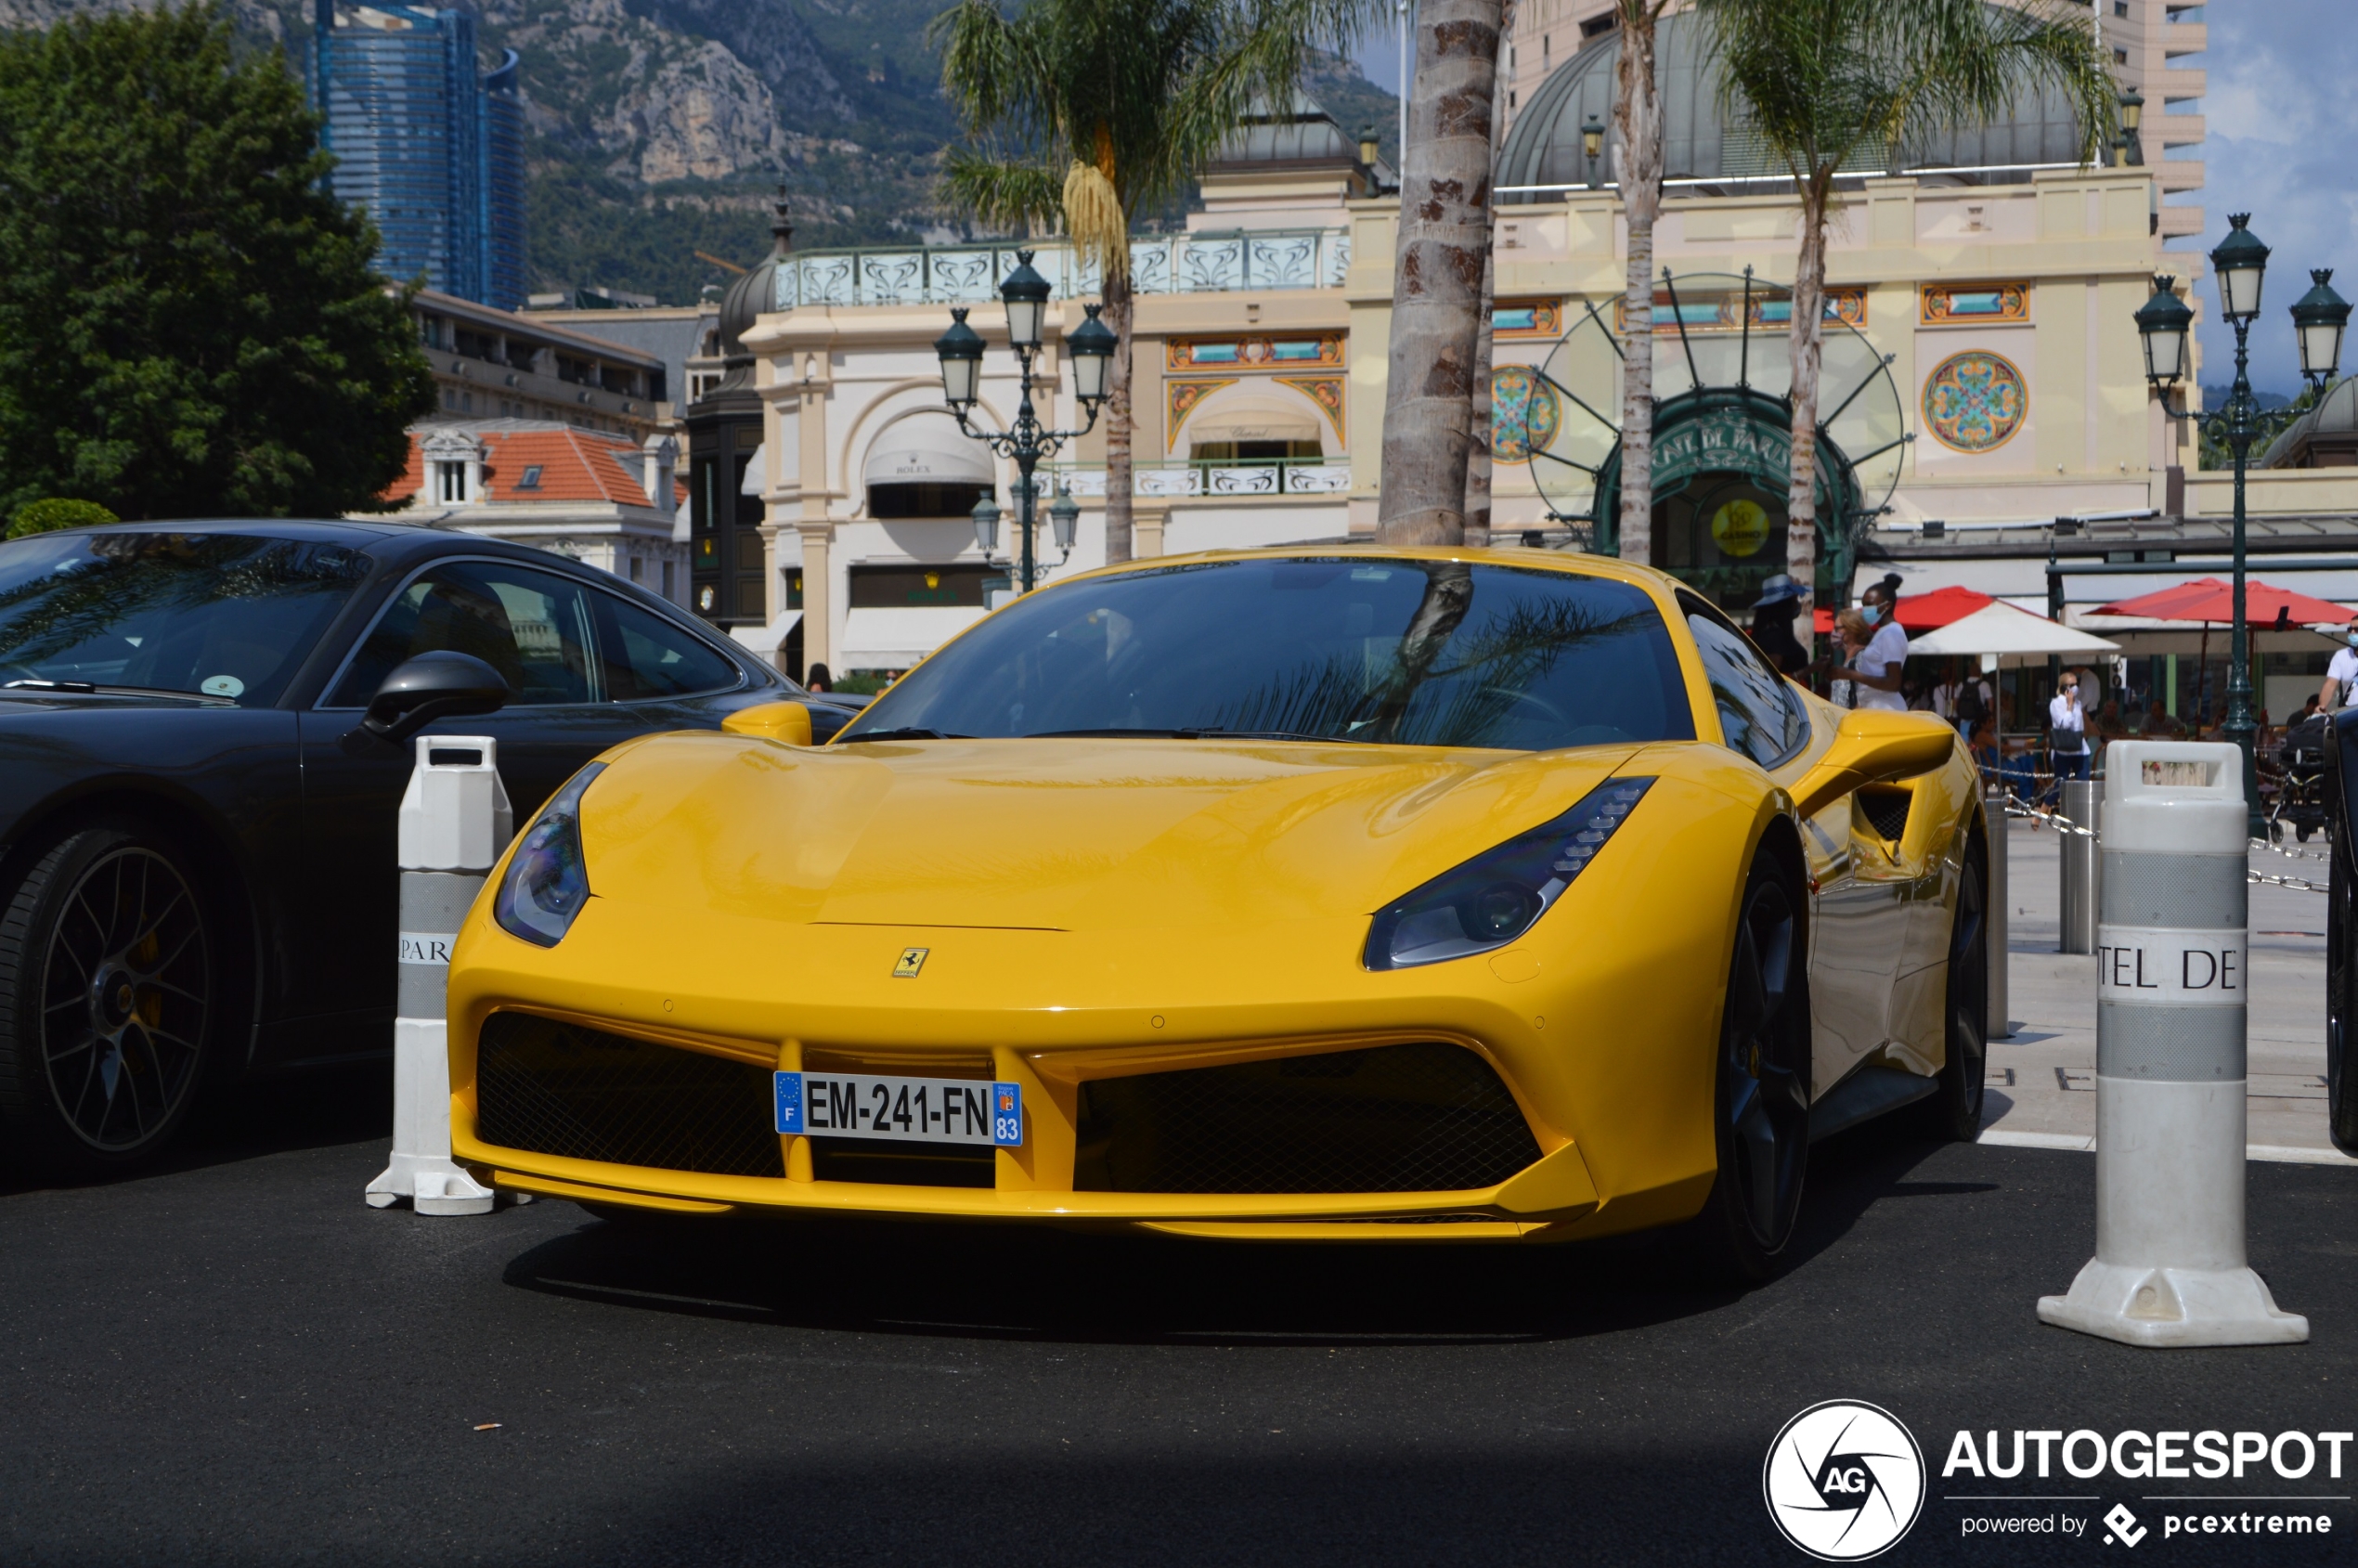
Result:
[
  {"x": 1422, "y": 1118},
  {"x": 1886, "y": 812},
  {"x": 547, "y": 1087}
]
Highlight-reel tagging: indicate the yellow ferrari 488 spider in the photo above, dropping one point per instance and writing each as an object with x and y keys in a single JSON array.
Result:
[{"x": 1342, "y": 893}]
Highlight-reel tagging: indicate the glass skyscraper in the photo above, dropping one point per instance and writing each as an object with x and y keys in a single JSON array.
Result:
[{"x": 426, "y": 142}]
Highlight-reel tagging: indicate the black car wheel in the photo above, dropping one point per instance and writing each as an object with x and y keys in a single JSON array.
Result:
[
  {"x": 1762, "y": 1102},
  {"x": 107, "y": 999},
  {"x": 1953, "y": 1112}
]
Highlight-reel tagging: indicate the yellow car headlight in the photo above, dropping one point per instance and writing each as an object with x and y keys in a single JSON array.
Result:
[
  {"x": 1500, "y": 893},
  {"x": 547, "y": 878}
]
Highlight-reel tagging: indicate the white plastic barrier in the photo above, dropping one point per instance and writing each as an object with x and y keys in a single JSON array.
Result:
[
  {"x": 2171, "y": 950},
  {"x": 455, "y": 821}
]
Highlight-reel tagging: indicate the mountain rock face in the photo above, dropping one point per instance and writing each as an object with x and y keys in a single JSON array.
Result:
[{"x": 659, "y": 126}]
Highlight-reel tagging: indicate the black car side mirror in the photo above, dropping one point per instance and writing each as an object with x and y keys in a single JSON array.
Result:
[{"x": 431, "y": 686}]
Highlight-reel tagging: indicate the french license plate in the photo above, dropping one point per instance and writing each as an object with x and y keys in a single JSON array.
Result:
[{"x": 917, "y": 1110}]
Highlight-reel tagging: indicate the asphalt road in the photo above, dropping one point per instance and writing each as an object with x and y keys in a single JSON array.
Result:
[{"x": 237, "y": 1362}]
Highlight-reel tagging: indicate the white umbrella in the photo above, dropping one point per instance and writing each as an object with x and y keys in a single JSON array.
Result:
[{"x": 2001, "y": 630}]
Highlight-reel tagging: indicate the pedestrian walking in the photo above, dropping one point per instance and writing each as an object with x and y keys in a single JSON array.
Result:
[
  {"x": 1874, "y": 671},
  {"x": 2067, "y": 730},
  {"x": 2341, "y": 672}
]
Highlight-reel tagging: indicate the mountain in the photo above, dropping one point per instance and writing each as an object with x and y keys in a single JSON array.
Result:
[{"x": 660, "y": 128}]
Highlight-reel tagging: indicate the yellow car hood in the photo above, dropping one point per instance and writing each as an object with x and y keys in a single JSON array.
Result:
[{"x": 1055, "y": 835}]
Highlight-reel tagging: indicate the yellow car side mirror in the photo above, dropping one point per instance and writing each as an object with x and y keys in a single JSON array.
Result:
[
  {"x": 789, "y": 722},
  {"x": 1874, "y": 744}
]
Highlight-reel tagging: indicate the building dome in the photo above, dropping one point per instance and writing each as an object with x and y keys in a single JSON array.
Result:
[
  {"x": 1543, "y": 153},
  {"x": 750, "y": 297},
  {"x": 2326, "y": 436}
]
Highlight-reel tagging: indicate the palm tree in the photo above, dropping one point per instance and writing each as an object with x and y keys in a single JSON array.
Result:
[
  {"x": 1824, "y": 83},
  {"x": 1090, "y": 110},
  {"x": 1436, "y": 280},
  {"x": 1636, "y": 117},
  {"x": 1478, "y": 466}
]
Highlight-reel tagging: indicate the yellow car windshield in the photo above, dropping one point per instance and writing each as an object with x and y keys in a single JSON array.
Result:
[{"x": 1390, "y": 651}]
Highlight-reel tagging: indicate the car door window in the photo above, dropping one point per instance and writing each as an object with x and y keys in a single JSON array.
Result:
[
  {"x": 534, "y": 627},
  {"x": 1758, "y": 712},
  {"x": 647, "y": 657}
]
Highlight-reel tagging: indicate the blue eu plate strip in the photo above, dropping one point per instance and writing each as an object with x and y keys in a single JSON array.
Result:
[{"x": 789, "y": 1102}]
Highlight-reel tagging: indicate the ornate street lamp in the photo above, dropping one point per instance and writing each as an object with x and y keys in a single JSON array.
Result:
[
  {"x": 2241, "y": 263},
  {"x": 1088, "y": 347},
  {"x": 1592, "y": 143},
  {"x": 2162, "y": 322},
  {"x": 2318, "y": 316},
  {"x": 2132, "y": 113}
]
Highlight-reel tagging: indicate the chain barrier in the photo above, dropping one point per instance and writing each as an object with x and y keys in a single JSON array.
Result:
[
  {"x": 2296, "y": 883},
  {"x": 2063, "y": 825},
  {"x": 2055, "y": 820},
  {"x": 2291, "y": 854}
]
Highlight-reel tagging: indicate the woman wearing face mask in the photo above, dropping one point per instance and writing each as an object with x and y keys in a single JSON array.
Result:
[
  {"x": 1876, "y": 669},
  {"x": 2341, "y": 672}
]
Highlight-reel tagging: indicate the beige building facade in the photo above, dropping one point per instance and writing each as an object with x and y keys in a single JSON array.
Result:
[{"x": 1996, "y": 284}]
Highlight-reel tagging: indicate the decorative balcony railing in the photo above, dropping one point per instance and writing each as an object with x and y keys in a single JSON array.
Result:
[
  {"x": 1160, "y": 264},
  {"x": 1244, "y": 477}
]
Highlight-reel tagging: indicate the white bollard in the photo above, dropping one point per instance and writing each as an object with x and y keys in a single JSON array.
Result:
[
  {"x": 455, "y": 820},
  {"x": 2171, "y": 961},
  {"x": 1997, "y": 915}
]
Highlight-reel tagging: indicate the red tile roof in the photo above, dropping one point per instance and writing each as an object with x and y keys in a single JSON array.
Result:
[{"x": 575, "y": 465}]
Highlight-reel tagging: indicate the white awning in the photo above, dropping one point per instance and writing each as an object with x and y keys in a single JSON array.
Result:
[
  {"x": 926, "y": 450},
  {"x": 766, "y": 639},
  {"x": 2000, "y": 628},
  {"x": 1258, "y": 419},
  {"x": 896, "y": 637}
]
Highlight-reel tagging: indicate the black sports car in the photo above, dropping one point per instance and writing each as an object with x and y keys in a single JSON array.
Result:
[{"x": 197, "y": 797}]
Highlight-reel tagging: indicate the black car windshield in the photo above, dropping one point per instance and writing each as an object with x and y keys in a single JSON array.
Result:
[
  {"x": 227, "y": 616},
  {"x": 1393, "y": 651}
]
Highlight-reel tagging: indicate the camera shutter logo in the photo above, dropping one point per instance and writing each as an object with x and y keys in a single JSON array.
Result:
[{"x": 1843, "y": 1480}]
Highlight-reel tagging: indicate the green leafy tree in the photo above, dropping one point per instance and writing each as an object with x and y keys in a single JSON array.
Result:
[
  {"x": 52, "y": 513},
  {"x": 188, "y": 321},
  {"x": 1089, "y": 113},
  {"x": 1828, "y": 84}
]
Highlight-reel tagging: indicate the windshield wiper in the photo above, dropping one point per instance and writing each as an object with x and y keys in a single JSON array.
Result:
[
  {"x": 101, "y": 688},
  {"x": 911, "y": 733},
  {"x": 1213, "y": 733}
]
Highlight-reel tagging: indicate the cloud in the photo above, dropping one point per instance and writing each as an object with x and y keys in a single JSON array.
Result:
[{"x": 2282, "y": 145}]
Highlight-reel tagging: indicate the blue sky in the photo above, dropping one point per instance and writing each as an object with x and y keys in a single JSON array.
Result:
[{"x": 2282, "y": 145}]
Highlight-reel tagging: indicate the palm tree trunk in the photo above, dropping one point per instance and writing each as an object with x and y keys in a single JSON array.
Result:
[
  {"x": 1477, "y": 513},
  {"x": 1118, "y": 314},
  {"x": 1478, "y": 461},
  {"x": 1807, "y": 335},
  {"x": 1637, "y": 112},
  {"x": 1436, "y": 289}
]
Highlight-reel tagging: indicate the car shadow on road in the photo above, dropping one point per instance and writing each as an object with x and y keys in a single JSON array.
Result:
[{"x": 1025, "y": 1282}]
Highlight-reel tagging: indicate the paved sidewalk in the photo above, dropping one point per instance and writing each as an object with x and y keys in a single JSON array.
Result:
[{"x": 2042, "y": 1080}]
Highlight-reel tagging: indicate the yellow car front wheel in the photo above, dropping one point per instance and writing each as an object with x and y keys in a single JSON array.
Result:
[{"x": 1763, "y": 1095}]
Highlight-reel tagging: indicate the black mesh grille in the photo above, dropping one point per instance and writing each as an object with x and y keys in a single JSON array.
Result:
[
  {"x": 553, "y": 1088},
  {"x": 1887, "y": 809},
  {"x": 1426, "y": 1117}
]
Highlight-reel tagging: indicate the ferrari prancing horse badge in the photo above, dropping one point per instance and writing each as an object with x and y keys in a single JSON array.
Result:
[{"x": 911, "y": 960}]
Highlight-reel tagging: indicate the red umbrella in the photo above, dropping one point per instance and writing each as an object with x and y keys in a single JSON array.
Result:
[
  {"x": 1920, "y": 612},
  {"x": 2207, "y": 599}
]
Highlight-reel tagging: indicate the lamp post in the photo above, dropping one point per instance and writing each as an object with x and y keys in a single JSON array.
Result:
[
  {"x": 1089, "y": 346},
  {"x": 1592, "y": 142},
  {"x": 2241, "y": 263}
]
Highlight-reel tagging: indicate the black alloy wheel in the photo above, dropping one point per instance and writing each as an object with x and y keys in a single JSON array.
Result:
[
  {"x": 1763, "y": 1095},
  {"x": 1953, "y": 1111},
  {"x": 106, "y": 1001}
]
